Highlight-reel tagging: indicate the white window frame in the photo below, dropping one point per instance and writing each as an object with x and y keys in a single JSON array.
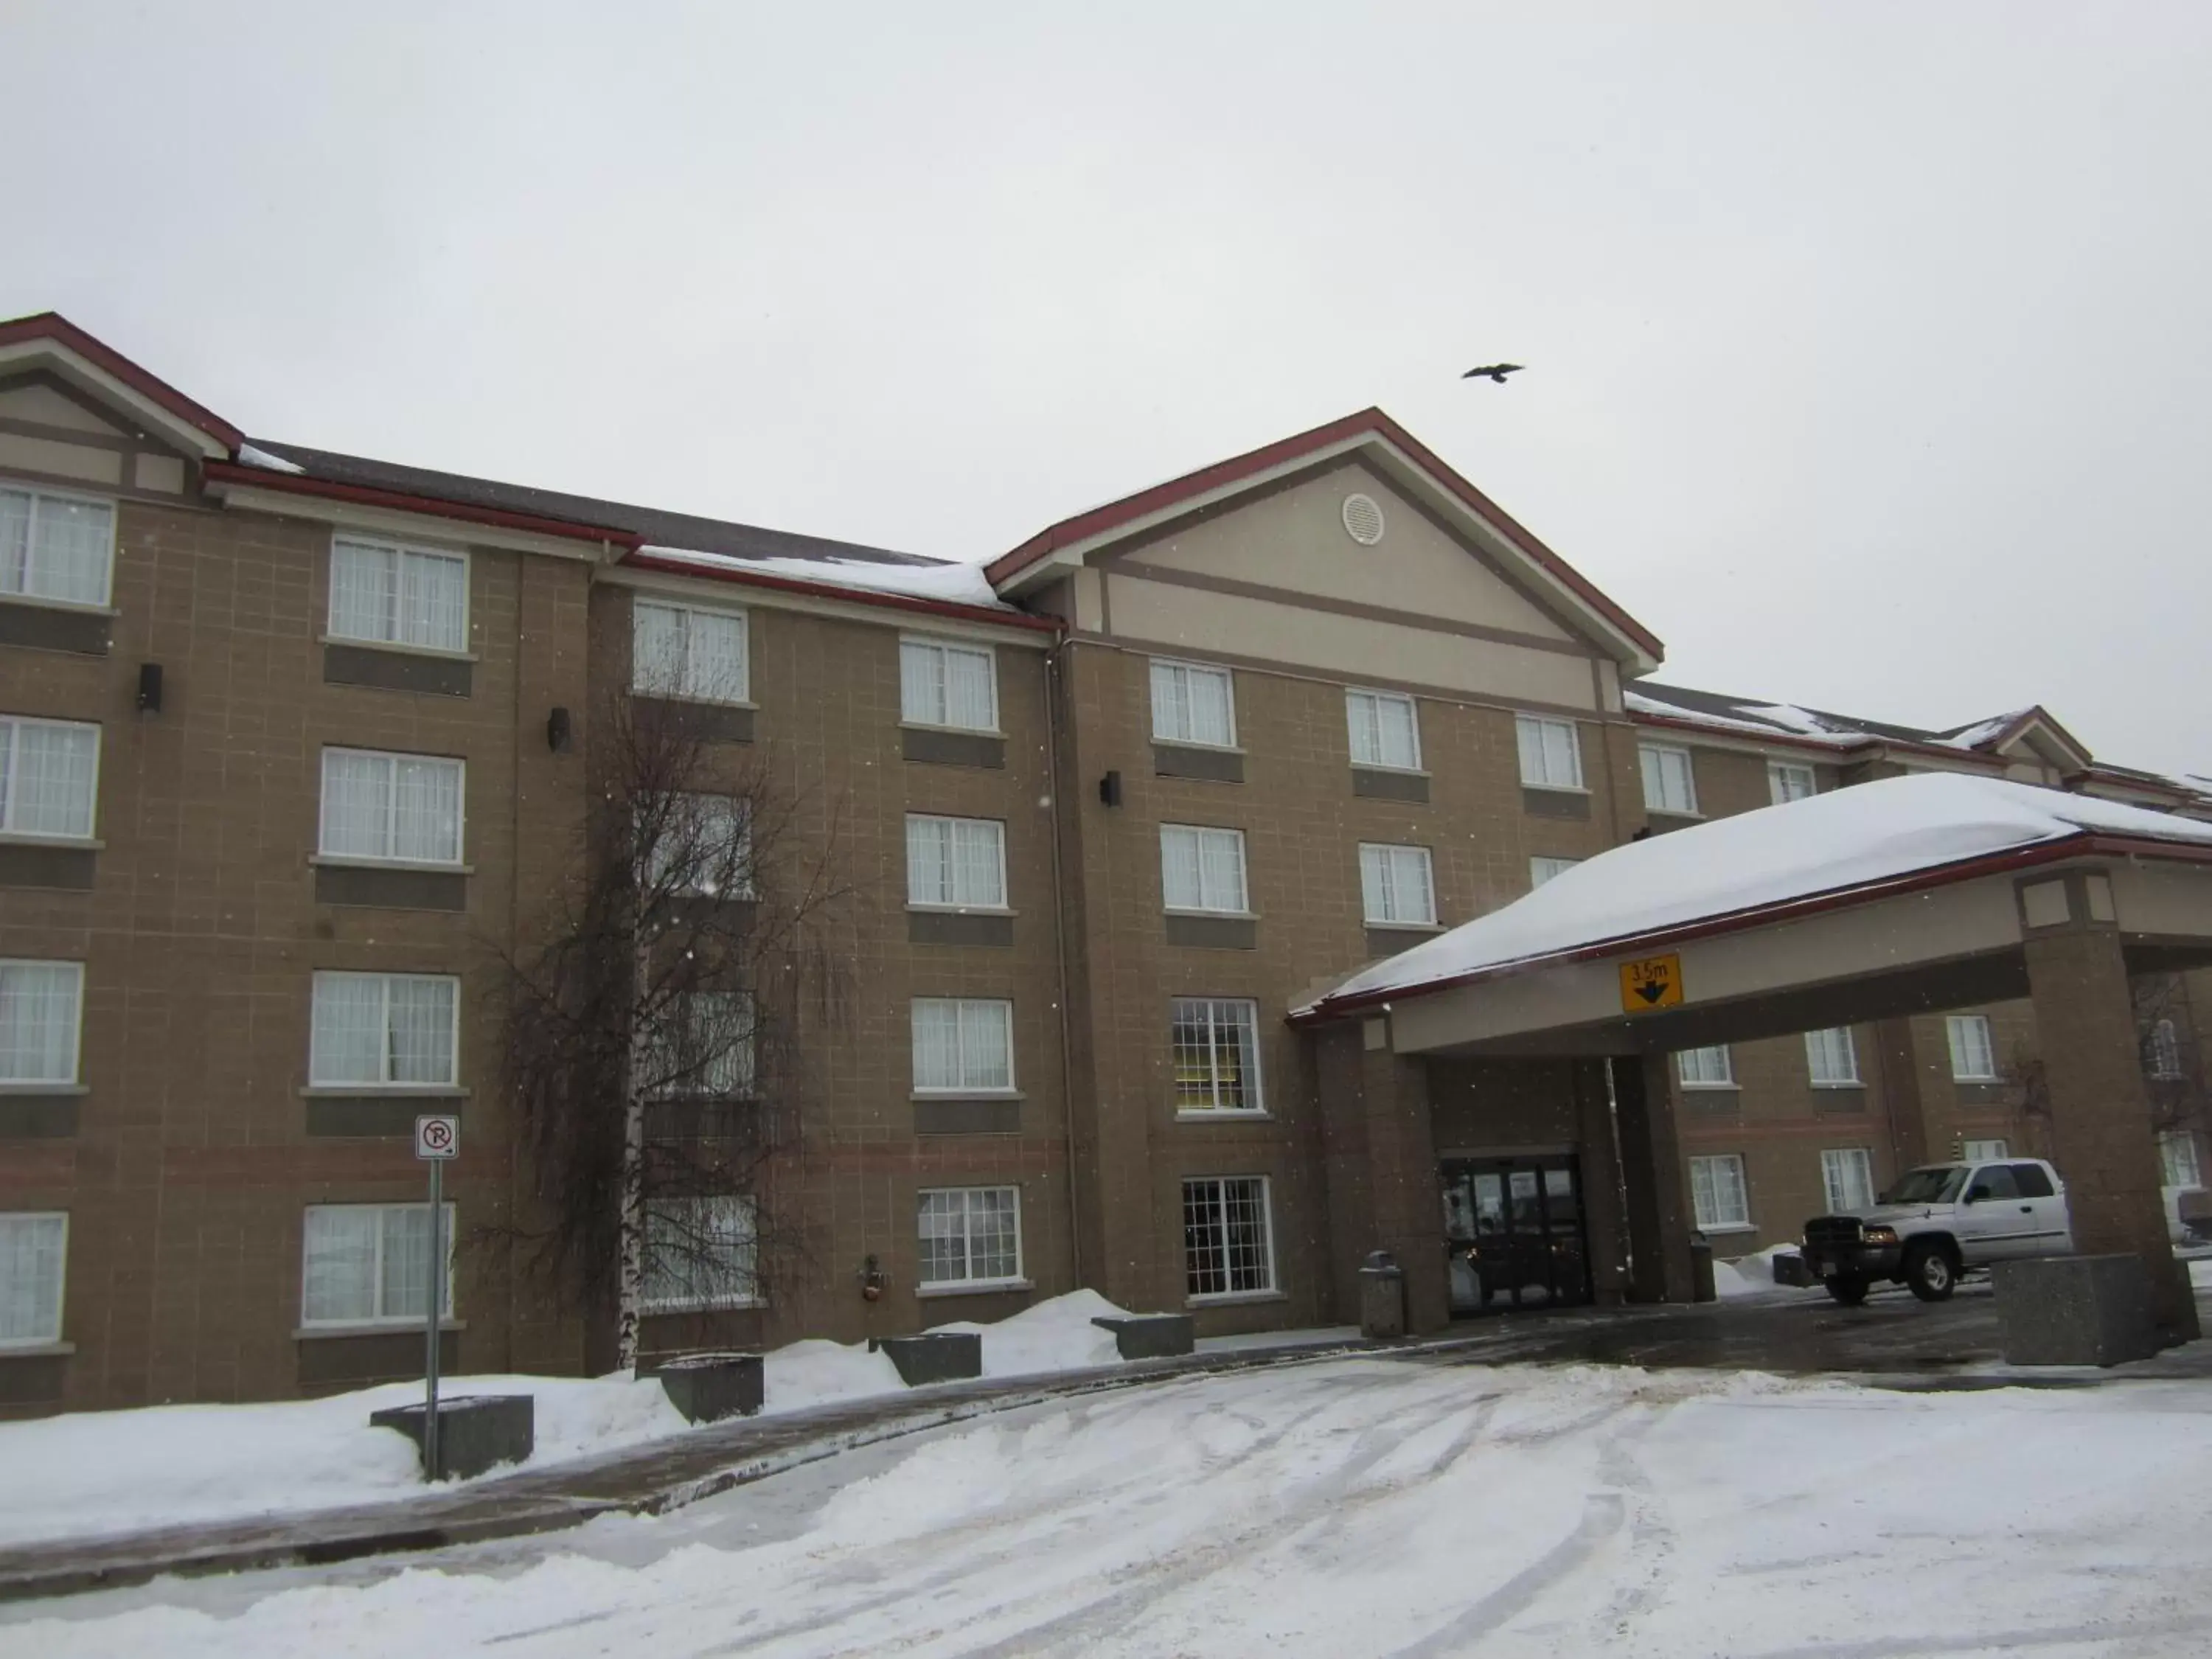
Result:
[
  {"x": 49, "y": 1338},
  {"x": 729, "y": 1075},
  {"x": 954, "y": 866},
  {"x": 1696, "y": 1068},
  {"x": 400, "y": 553},
  {"x": 1834, "y": 1160},
  {"x": 355, "y": 1086},
  {"x": 1273, "y": 1286},
  {"x": 405, "y": 1321},
  {"x": 2165, "y": 1052},
  {"x": 1817, "y": 1056},
  {"x": 654, "y": 867},
  {"x": 1243, "y": 905},
  {"x": 1653, "y": 762},
  {"x": 970, "y": 1280},
  {"x": 1985, "y": 1151},
  {"x": 1531, "y": 735},
  {"x": 1381, "y": 879},
  {"x": 1187, "y": 1010},
  {"x": 745, "y": 1235},
  {"x": 943, "y": 650},
  {"x": 10, "y": 751},
  {"x": 323, "y": 852},
  {"x": 1705, "y": 1203},
  {"x": 38, "y": 493},
  {"x": 684, "y": 691},
  {"x": 1961, "y": 1031},
  {"x": 960, "y": 1089},
  {"x": 1172, "y": 667},
  {"x": 1372, "y": 726},
  {"x": 1779, "y": 788},
  {"x": 1543, "y": 868},
  {"x": 76, "y": 1029},
  {"x": 2177, "y": 1159}
]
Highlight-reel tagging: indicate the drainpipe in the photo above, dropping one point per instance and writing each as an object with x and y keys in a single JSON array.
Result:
[{"x": 1052, "y": 704}]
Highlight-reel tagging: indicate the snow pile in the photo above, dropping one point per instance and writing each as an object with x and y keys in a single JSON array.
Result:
[
  {"x": 1754, "y": 1275},
  {"x": 2200, "y": 1273},
  {"x": 1052, "y": 1336},
  {"x": 250, "y": 456},
  {"x": 954, "y": 584},
  {"x": 1828, "y": 843},
  {"x": 818, "y": 1372}
]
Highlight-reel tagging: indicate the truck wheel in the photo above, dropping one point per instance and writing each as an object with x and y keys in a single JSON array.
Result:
[
  {"x": 1929, "y": 1272},
  {"x": 1848, "y": 1292}
]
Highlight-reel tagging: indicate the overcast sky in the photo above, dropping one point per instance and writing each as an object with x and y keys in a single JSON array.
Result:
[{"x": 1866, "y": 344}]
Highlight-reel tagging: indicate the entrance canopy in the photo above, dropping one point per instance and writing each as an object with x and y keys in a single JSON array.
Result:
[{"x": 1881, "y": 899}]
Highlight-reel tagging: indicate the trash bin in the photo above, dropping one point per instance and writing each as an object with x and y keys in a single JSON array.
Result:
[
  {"x": 1701, "y": 1269},
  {"x": 1382, "y": 1297}
]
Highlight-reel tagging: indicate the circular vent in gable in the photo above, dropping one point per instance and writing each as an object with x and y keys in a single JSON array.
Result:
[{"x": 1363, "y": 520}]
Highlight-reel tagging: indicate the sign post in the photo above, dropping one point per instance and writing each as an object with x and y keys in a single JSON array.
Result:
[{"x": 436, "y": 1139}]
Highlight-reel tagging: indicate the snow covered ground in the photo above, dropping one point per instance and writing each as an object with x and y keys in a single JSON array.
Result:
[{"x": 1340, "y": 1508}]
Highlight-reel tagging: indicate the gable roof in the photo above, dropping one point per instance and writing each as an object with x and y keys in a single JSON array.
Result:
[
  {"x": 1369, "y": 429},
  {"x": 55, "y": 331},
  {"x": 1793, "y": 724}
]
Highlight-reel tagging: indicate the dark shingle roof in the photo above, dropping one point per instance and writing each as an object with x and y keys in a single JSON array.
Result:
[{"x": 1751, "y": 711}]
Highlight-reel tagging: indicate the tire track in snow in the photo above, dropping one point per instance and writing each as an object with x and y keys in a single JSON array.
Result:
[{"x": 1603, "y": 1514}]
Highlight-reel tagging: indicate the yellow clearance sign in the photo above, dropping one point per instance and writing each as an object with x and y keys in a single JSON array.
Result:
[{"x": 1654, "y": 983}]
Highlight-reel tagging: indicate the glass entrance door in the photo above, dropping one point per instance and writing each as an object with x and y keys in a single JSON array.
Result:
[{"x": 1513, "y": 1234}]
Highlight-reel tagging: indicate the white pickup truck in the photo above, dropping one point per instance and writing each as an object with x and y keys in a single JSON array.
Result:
[{"x": 1936, "y": 1223}]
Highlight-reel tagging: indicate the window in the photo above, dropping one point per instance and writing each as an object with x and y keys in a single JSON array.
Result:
[
  {"x": 1982, "y": 1151},
  {"x": 1669, "y": 785},
  {"x": 365, "y": 1264},
  {"x": 1395, "y": 888},
  {"x": 49, "y": 775},
  {"x": 384, "y": 1032},
  {"x": 681, "y": 651},
  {"x": 1848, "y": 1175},
  {"x": 2165, "y": 1052},
  {"x": 702, "y": 1047},
  {"x": 2032, "y": 1180},
  {"x": 969, "y": 1236},
  {"x": 55, "y": 547},
  {"x": 1216, "y": 1054},
  {"x": 1202, "y": 869},
  {"x": 956, "y": 861},
  {"x": 33, "y": 1251},
  {"x": 1384, "y": 731},
  {"x": 1831, "y": 1058},
  {"x": 402, "y": 808},
  {"x": 388, "y": 594},
  {"x": 1716, "y": 1194},
  {"x": 1787, "y": 782},
  {"x": 2177, "y": 1157},
  {"x": 1542, "y": 870},
  {"x": 963, "y": 1046},
  {"x": 942, "y": 684},
  {"x": 700, "y": 1253},
  {"x": 696, "y": 847},
  {"x": 41, "y": 1007},
  {"x": 1193, "y": 705},
  {"x": 1705, "y": 1068},
  {"x": 1550, "y": 754},
  {"x": 1972, "y": 1060},
  {"x": 1228, "y": 1238}
]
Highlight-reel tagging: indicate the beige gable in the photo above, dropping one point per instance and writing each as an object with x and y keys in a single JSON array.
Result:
[{"x": 41, "y": 403}]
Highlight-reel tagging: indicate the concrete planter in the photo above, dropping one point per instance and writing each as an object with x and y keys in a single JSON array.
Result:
[
  {"x": 1151, "y": 1336},
  {"x": 939, "y": 1357},
  {"x": 709, "y": 1387},
  {"x": 475, "y": 1431},
  {"x": 2076, "y": 1310}
]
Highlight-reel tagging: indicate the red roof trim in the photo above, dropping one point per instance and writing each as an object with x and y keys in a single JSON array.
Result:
[
  {"x": 292, "y": 484},
  {"x": 1367, "y": 422},
  {"x": 52, "y": 325},
  {"x": 908, "y": 602},
  {"x": 1811, "y": 746},
  {"x": 1735, "y": 921}
]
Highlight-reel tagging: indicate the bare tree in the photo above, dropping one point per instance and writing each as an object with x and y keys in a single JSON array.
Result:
[{"x": 653, "y": 1042}]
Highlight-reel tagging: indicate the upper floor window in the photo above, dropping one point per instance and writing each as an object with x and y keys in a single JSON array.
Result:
[
  {"x": 956, "y": 861},
  {"x": 55, "y": 547},
  {"x": 963, "y": 1046},
  {"x": 689, "y": 652},
  {"x": 1669, "y": 785},
  {"x": 405, "y": 808},
  {"x": 49, "y": 777},
  {"x": 1202, "y": 869},
  {"x": 1216, "y": 1054},
  {"x": 33, "y": 1253},
  {"x": 1550, "y": 752},
  {"x": 945, "y": 685},
  {"x": 384, "y": 593},
  {"x": 1973, "y": 1058},
  {"x": 2165, "y": 1051},
  {"x": 385, "y": 1031},
  {"x": 41, "y": 1010},
  {"x": 701, "y": 1253},
  {"x": 1787, "y": 782},
  {"x": 1384, "y": 731},
  {"x": 1705, "y": 1068},
  {"x": 1395, "y": 886},
  {"x": 370, "y": 1264},
  {"x": 694, "y": 847},
  {"x": 1192, "y": 704},
  {"x": 1831, "y": 1058},
  {"x": 1541, "y": 870},
  {"x": 700, "y": 1047}
]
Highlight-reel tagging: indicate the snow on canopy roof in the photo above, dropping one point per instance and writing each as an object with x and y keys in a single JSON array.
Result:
[
  {"x": 952, "y": 583},
  {"x": 1742, "y": 866}
]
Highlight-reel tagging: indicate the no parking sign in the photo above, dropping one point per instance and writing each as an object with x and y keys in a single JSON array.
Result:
[{"x": 437, "y": 1136}]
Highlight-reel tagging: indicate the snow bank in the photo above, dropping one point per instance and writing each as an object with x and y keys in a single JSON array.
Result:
[
  {"x": 1827, "y": 843},
  {"x": 1052, "y": 1336},
  {"x": 957, "y": 584},
  {"x": 818, "y": 1372},
  {"x": 1754, "y": 1275},
  {"x": 2200, "y": 1273}
]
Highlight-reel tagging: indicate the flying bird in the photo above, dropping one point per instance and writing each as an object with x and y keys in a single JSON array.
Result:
[{"x": 1497, "y": 372}]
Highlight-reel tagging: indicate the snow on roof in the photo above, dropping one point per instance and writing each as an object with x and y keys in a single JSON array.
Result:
[
  {"x": 1981, "y": 732},
  {"x": 1749, "y": 717},
  {"x": 1751, "y": 720},
  {"x": 249, "y": 455},
  {"x": 1829, "y": 843},
  {"x": 954, "y": 584}
]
